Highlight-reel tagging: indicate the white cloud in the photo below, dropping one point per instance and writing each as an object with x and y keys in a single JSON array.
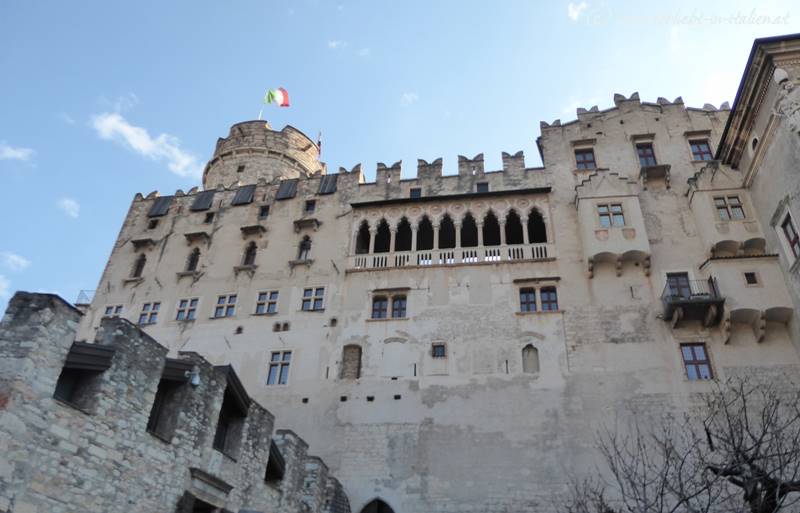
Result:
[
  {"x": 364, "y": 52},
  {"x": 8, "y": 152},
  {"x": 336, "y": 44},
  {"x": 409, "y": 98},
  {"x": 70, "y": 207},
  {"x": 5, "y": 286},
  {"x": 112, "y": 126},
  {"x": 120, "y": 103},
  {"x": 14, "y": 262},
  {"x": 66, "y": 118},
  {"x": 574, "y": 10}
]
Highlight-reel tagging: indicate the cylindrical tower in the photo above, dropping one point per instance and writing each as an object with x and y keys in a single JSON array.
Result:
[{"x": 253, "y": 150}]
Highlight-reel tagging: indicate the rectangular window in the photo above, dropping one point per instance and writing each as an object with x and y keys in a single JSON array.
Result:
[
  {"x": 585, "y": 158},
  {"x": 701, "y": 150},
  {"x": 263, "y": 211},
  {"x": 267, "y": 302},
  {"x": 549, "y": 299},
  {"x": 149, "y": 313},
  {"x": 415, "y": 192},
  {"x": 240, "y": 169},
  {"x": 527, "y": 300},
  {"x": 482, "y": 187},
  {"x": 399, "y": 307},
  {"x": 611, "y": 215},
  {"x": 226, "y": 306},
  {"x": 695, "y": 360},
  {"x": 751, "y": 278},
  {"x": 438, "y": 350},
  {"x": 113, "y": 311},
  {"x": 729, "y": 207},
  {"x": 313, "y": 299},
  {"x": 379, "y": 307},
  {"x": 790, "y": 233},
  {"x": 209, "y": 218},
  {"x": 279, "y": 368},
  {"x": 679, "y": 285},
  {"x": 646, "y": 155},
  {"x": 311, "y": 206},
  {"x": 187, "y": 308}
]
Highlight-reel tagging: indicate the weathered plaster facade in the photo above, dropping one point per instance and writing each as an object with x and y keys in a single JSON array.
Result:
[{"x": 496, "y": 419}]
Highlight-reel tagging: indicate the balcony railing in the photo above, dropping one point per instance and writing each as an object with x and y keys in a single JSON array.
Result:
[
  {"x": 692, "y": 300},
  {"x": 454, "y": 256}
]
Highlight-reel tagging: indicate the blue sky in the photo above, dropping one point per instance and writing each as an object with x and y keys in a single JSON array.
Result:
[{"x": 100, "y": 100}]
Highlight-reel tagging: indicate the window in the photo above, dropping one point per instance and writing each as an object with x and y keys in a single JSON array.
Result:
[
  {"x": 138, "y": 266},
  {"x": 240, "y": 169},
  {"x": 751, "y": 278},
  {"x": 312, "y": 299},
  {"x": 379, "y": 307},
  {"x": 530, "y": 359},
  {"x": 230, "y": 425},
  {"x": 80, "y": 377},
  {"x": 549, "y": 299},
  {"x": 527, "y": 300},
  {"x": 149, "y": 313},
  {"x": 729, "y": 207},
  {"x": 438, "y": 350},
  {"x": 482, "y": 187},
  {"x": 151, "y": 225},
  {"x": 679, "y": 285},
  {"x": 304, "y": 250},
  {"x": 611, "y": 215},
  {"x": 399, "y": 307},
  {"x": 695, "y": 360},
  {"x": 209, "y": 218},
  {"x": 187, "y": 308},
  {"x": 249, "y": 257},
  {"x": 415, "y": 192},
  {"x": 701, "y": 150},
  {"x": 584, "y": 158},
  {"x": 263, "y": 211},
  {"x": 166, "y": 409},
  {"x": 279, "y": 368},
  {"x": 790, "y": 233},
  {"x": 276, "y": 465},
  {"x": 193, "y": 260},
  {"x": 267, "y": 302},
  {"x": 351, "y": 362},
  {"x": 113, "y": 311},
  {"x": 226, "y": 306},
  {"x": 311, "y": 206},
  {"x": 646, "y": 155}
]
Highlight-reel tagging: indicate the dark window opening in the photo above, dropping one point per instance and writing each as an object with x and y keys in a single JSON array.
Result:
[
  {"x": 415, "y": 192},
  {"x": 399, "y": 307},
  {"x": 230, "y": 426},
  {"x": 447, "y": 233},
  {"x": 263, "y": 211},
  {"x": 790, "y": 233},
  {"x": 276, "y": 466},
  {"x": 513, "y": 228},
  {"x": 438, "y": 350},
  {"x": 424, "y": 234},
  {"x": 537, "y": 232},
  {"x": 209, "y": 218},
  {"x": 249, "y": 257},
  {"x": 81, "y": 377},
  {"x": 311, "y": 206},
  {"x": 380, "y": 305},
  {"x": 751, "y": 278},
  {"x": 695, "y": 361},
  {"x": 285, "y": 326},
  {"x": 304, "y": 250},
  {"x": 527, "y": 300},
  {"x": 152, "y": 224},
  {"x": 402, "y": 241},
  {"x": 138, "y": 266},
  {"x": 240, "y": 169},
  {"x": 491, "y": 230},
  {"x": 482, "y": 187},
  {"x": 362, "y": 239},
  {"x": 383, "y": 237},
  {"x": 584, "y": 158},
  {"x": 193, "y": 260},
  {"x": 166, "y": 409},
  {"x": 469, "y": 232},
  {"x": 646, "y": 155}
]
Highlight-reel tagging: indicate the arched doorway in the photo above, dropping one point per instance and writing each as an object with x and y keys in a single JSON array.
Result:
[{"x": 377, "y": 506}]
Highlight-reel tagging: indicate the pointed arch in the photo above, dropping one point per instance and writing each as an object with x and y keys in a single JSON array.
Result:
[
  {"x": 537, "y": 231},
  {"x": 304, "y": 250},
  {"x": 383, "y": 238},
  {"x": 469, "y": 231},
  {"x": 138, "y": 266},
  {"x": 402, "y": 241},
  {"x": 491, "y": 230},
  {"x": 192, "y": 260},
  {"x": 530, "y": 359},
  {"x": 249, "y": 257},
  {"x": 362, "y": 238},
  {"x": 377, "y": 506},
  {"x": 424, "y": 234},
  {"x": 447, "y": 233},
  {"x": 513, "y": 228}
]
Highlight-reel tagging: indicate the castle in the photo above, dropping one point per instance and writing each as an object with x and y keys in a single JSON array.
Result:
[{"x": 452, "y": 343}]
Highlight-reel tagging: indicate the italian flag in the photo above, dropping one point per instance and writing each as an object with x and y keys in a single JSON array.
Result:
[{"x": 279, "y": 96}]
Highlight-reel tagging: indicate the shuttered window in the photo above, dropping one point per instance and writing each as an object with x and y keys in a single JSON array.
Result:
[
  {"x": 287, "y": 189},
  {"x": 160, "y": 206},
  {"x": 203, "y": 201},
  {"x": 244, "y": 195},
  {"x": 328, "y": 184}
]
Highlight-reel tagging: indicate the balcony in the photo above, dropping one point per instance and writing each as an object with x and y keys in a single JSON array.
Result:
[
  {"x": 454, "y": 256},
  {"x": 692, "y": 300}
]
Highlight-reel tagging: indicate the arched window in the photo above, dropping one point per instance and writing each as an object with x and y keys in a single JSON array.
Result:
[
  {"x": 362, "y": 239},
  {"x": 469, "y": 232},
  {"x": 193, "y": 260},
  {"x": 138, "y": 266},
  {"x": 513, "y": 228},
  {"x": 402, "y": 241},
  {"x": 447, "y": 233},
  {"x": 377, "y": 506},
  {"x": 424, "y": 234},
  {"x": 536, "y": 228},
  {"x": 249, "y": 257},
  {"x": 305, "y": 248},
  {"x": 351, "y": 362},
  {"x": 491, "y": 230},
  {"x": 383, "y": 237},
  {"x": 530, "y": 359}
]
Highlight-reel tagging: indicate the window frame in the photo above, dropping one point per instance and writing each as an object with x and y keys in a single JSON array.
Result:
[
  {"x": 398, "y": 309},
  {"x": 148, "y": 315},
  {"x": 269, "y": 302},
  {"x": 647, "y": 157},
  {"x": 187, "y": 307},
  {"x": 225, "y": 305},
  {"x": 610, "y": 213},
  {"x": 548, "y": 303},
  {"x": 415, "y": 192},
  {"x": 481, "y": 185},
  {"x": 726, "y": 205},
  {"x": 527, "y": 300},
  {"x": 696, "y": 363},
  {"x": 279, "y": 364},
  {"x": 438, "y": 354},
  {"x": 581, "y": 163},
  {"x": 380, "y": 307},
  {"x": 701, "y": 153},
  {"x": 116, "y": 311},
  {"x": 310, "y": 206},
  {"x": 263, "y": 211},
  {"x": 313, "y": 299},
  {"x": 792, "y": 243}
]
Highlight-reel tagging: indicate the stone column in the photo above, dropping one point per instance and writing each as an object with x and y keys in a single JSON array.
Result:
[
  {"x": 414, "y": 238},
  {"x": 525, "y": 237},
  {"x": 480, "y": 234},
  {"x": 458, "y": 235},
  {"x": 435, "y": 236},
  {"x": 502, "y": 233},
  {"x": 372, "y": 233},
  {"x": 392, "y": 237}
]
